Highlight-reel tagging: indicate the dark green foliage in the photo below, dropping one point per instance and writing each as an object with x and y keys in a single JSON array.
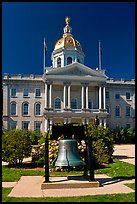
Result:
[
  {"x": 102, "y": 143},
  {"x": 34, "y": 136},
  {"x": 16, "y": 145},
  {"x": 124, "y": 136}
]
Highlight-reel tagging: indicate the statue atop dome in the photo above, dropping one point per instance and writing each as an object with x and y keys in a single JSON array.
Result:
[{"x": 67, "y": 20}]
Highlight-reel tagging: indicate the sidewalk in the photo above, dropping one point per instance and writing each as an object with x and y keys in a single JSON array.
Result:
[
  {"x": 125, "y": 153},
  {"x": 30, "y": 186}
]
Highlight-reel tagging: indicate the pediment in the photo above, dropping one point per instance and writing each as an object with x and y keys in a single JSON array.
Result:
[{"x": 76, "y": 69}]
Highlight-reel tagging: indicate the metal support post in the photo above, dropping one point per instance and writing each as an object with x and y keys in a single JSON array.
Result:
[
  {"x": 90, "y": 159},
  {"x": 46, "y": 158}
]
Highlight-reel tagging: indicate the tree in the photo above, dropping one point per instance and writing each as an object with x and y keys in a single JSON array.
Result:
[{"x": 16, "y": 145}]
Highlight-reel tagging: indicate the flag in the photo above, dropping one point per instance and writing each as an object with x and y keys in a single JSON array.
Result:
[
  {"x": 45, "y": 45},
  {"x": 45, "y": 50}
]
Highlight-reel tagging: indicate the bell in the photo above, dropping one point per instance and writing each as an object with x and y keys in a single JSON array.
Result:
[{"x": 68, "y": 154}]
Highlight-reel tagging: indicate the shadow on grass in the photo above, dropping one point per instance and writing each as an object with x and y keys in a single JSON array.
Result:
[{"x": 122, "y": 157}]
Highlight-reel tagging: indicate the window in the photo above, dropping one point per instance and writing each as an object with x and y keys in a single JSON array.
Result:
[
  {"x": 107, "y": 94},
  {"x": 25, "y": 92},
  {"x": 117, "y": 96},
  {"x": 13, "y": 108},
  {"x": 69, "y": 60},
  {"x": 13, "y": 124},
  {"x": 90, "y": 104},
  {"x": 127, "y": 110},
  {"x": 37, "y": 92},
  {"x": 108, "y": 109},
  {"x": 74, "y": 103},
  {"x": 37, "y": 108},
  {"x": 25, "y": 125},
  {"x": 59, "y": 62},
  {"x": 13, "y": 92},
  {"x": 127, "y": 95},
  {"x": 127, "y": 126},
  {"x": 37, "y": 126},
  {"x": 25, "y": 108},
  {"x": 117, "y": 111},
  {"x": 78, "y": 60},
  {"x": 57, "y": 103}
]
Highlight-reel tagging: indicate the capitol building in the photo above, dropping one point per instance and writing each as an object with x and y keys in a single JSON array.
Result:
[{"x": 67, "y": 92}]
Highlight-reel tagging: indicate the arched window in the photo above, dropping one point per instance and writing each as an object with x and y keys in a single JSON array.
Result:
[
  {"x": 37, "y": 108},
  {"x": 69, "y": 60},
  {"x": 57, "y": 103},
  {"x": 74, "y": 103},
  {"x": 25, "y": 108},
  {"x": 13, "y": 108},
  {"x": 59, "y": 62}
]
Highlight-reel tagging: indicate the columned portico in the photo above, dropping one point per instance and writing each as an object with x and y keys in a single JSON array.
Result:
[
  {"x": 46, "y": 95},
  {"x": 104, "y": 97},
  {"x": 100, "y": 97},
  {"x": 69, "y": 96},
  {"x": 82, "y": 97},
  {"x": 87, "y": 97},
  {"x": 64, "y": 96},
  {"x": 50, "y": 96}
]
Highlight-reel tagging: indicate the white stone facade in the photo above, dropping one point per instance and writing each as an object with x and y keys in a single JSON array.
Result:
[{"x": 67, "y": 92}]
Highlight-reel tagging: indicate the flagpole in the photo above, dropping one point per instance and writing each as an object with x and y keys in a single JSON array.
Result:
[
  {"x": 44, "y": 56},
  {"x": 99, "y": 53}
]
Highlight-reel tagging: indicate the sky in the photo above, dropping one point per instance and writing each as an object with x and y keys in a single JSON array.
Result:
[{"x": 25, "y": 24}]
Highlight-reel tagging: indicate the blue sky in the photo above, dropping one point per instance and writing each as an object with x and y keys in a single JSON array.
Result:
[{"x": 24, "y": 25}]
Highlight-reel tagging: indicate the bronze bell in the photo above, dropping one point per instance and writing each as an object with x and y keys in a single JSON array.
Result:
[{"x": 68, "y": 154}]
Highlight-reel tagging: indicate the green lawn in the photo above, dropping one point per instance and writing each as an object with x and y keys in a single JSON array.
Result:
[{"x": 118, "y": 169}]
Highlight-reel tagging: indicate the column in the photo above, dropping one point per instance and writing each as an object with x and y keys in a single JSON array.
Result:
[
  {"x": 100, "y": 97},
  {"x": 65, "y": 120},
  {"x": 100, "y": 122},
  {"x": 69, "y": 96},
  {"x": 46, "y": 94},
  {"x": 50, "y": 96},
  {"x": 82, "y": 97},
  {"x": 50, "y": 123},
  {"x": 104, "y": 97},
  {"x": 46, "y": 125},
  {"x": 69, "y": 120},
  {"x": 64, "y": 96},
  {"x": 104, "y": 122},
  {"x": 83, "y": 121},
  {"x": 86, "y": 97},
  {"x": 87, "y": 121}
]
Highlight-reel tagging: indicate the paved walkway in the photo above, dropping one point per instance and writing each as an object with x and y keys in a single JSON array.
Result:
[
  {"x": 30, "y": 186},
  {"x": 125, "y": 153}
]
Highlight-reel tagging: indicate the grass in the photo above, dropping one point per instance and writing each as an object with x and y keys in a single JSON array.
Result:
[{"x": 118, "y": 169}]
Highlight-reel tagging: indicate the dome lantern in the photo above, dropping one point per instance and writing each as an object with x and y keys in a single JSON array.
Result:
[{"x": 67, "y": 47}]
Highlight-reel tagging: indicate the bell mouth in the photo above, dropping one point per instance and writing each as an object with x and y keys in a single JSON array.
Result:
[{"x": 68, "y": 154}]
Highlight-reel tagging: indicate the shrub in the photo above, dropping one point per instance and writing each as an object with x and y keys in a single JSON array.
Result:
[
  {"x": 34, "y": 136},
  {"x": 124, "y": 136},
  {"x": 102, "y": 143},
  {"x": 16, "y": 145}
]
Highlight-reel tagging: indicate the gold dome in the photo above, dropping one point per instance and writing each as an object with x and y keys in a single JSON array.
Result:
[{"x": 67, "y": 41}]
